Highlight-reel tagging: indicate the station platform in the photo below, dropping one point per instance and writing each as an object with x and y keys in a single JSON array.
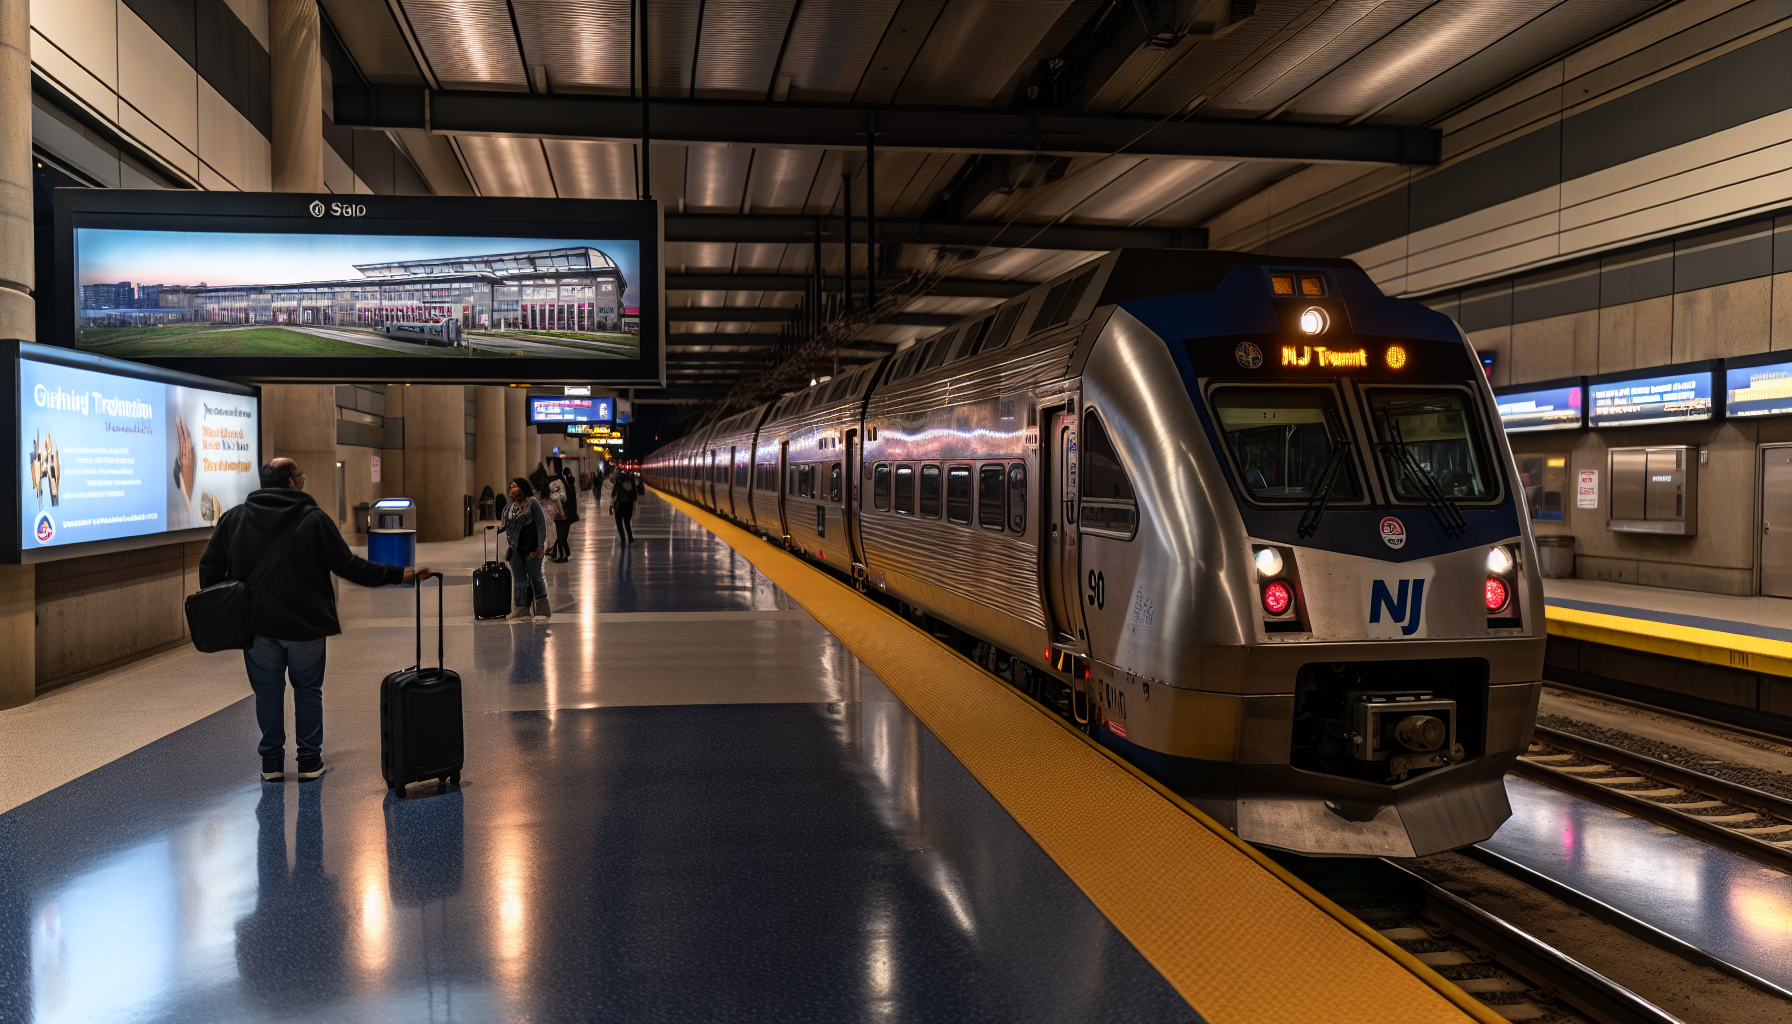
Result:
[
  {"x": 1750, "y": 633},
  {"x": 715, "y": 785}
]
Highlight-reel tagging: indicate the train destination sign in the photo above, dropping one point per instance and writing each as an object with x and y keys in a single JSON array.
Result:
[
  {"x": 1758, "y": 390},
  {"x": 1672, "y": 398},
  {"x": 1545, "y": 409}
]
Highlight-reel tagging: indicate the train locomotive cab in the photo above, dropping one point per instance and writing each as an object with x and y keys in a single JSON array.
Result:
[{"x": 1327, "y": 597}]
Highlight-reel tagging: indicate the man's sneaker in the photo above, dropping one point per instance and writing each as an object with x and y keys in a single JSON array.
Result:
[
  {"x": 273, "y": 768},
  {"x": 310, "y": 769},
  {"x": 541, "y": 607}
]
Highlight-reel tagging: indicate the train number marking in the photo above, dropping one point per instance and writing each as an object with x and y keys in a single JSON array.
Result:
[
  {"x": 1409, "y": 594},
  {"x": 1114, "y": 699},
  {"x": 1098, "y": 590}
]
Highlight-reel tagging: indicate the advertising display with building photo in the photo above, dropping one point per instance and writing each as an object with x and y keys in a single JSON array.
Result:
[
  {"x": 1666, "y": 395},
  {"x": 112, "y": 451},
  {"x": 419, "y": 287}
]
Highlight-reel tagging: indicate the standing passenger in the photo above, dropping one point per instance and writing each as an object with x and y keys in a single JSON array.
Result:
[
  {"x": 527, "y": 526},
  {"x": 622, "y": 505}
]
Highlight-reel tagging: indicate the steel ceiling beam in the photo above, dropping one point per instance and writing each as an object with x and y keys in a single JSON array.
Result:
[
  {"x": 844, "y": 126},
  {"x": 794, "y": 229}
]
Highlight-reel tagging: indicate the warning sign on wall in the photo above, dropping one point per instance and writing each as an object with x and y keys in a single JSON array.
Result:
[{"x": 1587, "y": 495}]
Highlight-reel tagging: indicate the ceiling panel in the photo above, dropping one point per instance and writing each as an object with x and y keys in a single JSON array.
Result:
[
  {"x": 1208, "y": 63},
  {"x": 1061, "y": 198},
  {"x": 782, "y": 179},
  {"x": 716, "y": 177},
  {"x": 373, "y": 39},
  {"x": 592, "y": 170},
  {"x": 739, "y": 47},
  {"x": 507, "y": 167},
  {"x": 1145, "y": 190},
  {"x": 1219, "y": 192},
  {"x": 672, "y": 42},
  {"x": 690, "y": 256},
  {"x": 973, "y": 48},
  {"x": 468, "y": 43},
  {"x": 762, "y": 257},
  {"x": 1338, "y": 34},
  {"x": 830, "y": 45},
  {"x": 586, "y": 45}
]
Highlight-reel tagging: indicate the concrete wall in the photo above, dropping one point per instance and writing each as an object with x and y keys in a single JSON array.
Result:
[
  {"x": 104, "y": 610},
  {"x": 435, "y": 458}
]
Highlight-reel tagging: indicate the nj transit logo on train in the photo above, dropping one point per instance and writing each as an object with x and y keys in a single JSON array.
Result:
[{"x": 1404, "y": 603}]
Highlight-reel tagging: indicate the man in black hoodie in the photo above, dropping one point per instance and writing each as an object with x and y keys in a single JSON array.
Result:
[{"x": 294, "y": 605}]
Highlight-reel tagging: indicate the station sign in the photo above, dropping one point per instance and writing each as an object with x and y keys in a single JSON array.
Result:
[
  {"x": 1559, "y": 405},
  {"x": 1666, "y": 395}
]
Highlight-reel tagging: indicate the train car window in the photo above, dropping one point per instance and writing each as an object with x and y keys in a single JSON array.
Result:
[
  {"x": 740, "y": 474},
  {"x": 1439, "y": 431},
  {"x": 1281, "y": 439},
  {"x": 942, "y": 347},
  {"x": 905, "y": 490},
  {"x": 768, "y": 477},
  {"x": 1103, "y": 475},
  {"x": 834, "y": 482},
  {"x": 975, "y": 335},
  {"x": 999, "y": 335},
  {"x": 992, "y": 494},
  {"x": 880, "y": 487},
  {"x": 1017, "y": 497},
  {"x": 790, "y": 484},
  {"x": 958, "y": 494},
  {"x": 930, "y": 492}
]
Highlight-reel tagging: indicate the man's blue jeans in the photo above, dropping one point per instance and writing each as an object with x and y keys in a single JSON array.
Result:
[{"x": 269, "y": 663}]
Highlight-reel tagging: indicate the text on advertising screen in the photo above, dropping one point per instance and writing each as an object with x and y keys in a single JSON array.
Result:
[
  {"x": 1549, "y": 409},
  {"x": 110, "y": 456},
  {"x": 554, "y": 409},
  {"x": 1670, "y": 399},
  {"x": 1758, "y": 390}
]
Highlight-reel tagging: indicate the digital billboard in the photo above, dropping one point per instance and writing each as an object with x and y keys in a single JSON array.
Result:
[
  {"x": 1764, "y": 390},
  {"x": 1547, "y": 408},
  {"x": 107, "y": 451},
  {"x": 556, "y": 409},
  {"x": 287, "y": 286},
  {"x": 1677, "y": 397}
]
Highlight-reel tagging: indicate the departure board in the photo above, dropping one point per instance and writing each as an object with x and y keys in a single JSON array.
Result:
[{"x": 1668, "y": 398}]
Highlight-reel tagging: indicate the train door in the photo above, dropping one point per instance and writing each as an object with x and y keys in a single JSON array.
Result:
[
  {"x": 850, "y": 505},
  {"x": 1063, "y": 589},
  {"x": 708, "y": 487},
  {"x": 784, "y": 491},
  {"x": 733, "y": 473}
]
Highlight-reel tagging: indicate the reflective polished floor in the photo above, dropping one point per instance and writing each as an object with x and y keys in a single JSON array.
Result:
[
  {"x": 683, "y": 801},
  {"x": 1737, "y": 909}
]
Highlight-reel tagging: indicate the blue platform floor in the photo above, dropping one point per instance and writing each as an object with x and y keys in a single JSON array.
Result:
[{"x": 683, "y": 801}]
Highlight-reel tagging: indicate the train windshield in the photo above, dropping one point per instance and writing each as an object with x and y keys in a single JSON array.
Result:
[
  {"x": 1281, "y": 440},
  {"x": 1430, "y": 438}
]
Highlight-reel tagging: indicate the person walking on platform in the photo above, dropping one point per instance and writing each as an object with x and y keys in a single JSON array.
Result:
[
  {"x": 570, "y": 504},
  {"x": 294, "y": 606},
  {"x": 622, "y": 505},
  {"x": 526, "y": 523}
]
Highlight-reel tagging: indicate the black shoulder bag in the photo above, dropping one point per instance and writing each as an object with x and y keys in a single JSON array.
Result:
[{"x": 218, "y": 616}]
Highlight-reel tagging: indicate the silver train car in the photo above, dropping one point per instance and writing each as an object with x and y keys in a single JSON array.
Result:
[
  {"x": 1246, "y": 520},
  {"x": 445, "y": 331}
]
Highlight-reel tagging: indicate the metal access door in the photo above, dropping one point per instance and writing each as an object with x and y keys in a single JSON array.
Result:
[
  {"x": 1063, "y": 591},
  {"x": 1776, "y": 520},
  {"x": 850, "y": 498},
  {"x": 733, "y": 472},
  {"x": 783, "y": 490}
]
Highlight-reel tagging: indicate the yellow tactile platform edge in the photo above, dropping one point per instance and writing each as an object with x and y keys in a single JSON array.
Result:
[
  {"x": 1709, "y": 646},
  {"x": 1241, "y": 939}
]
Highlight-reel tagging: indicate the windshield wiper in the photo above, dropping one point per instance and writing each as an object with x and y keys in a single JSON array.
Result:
[
  {"x": 1315, "y": 511},
  {"x": 1448, "y": 515}
]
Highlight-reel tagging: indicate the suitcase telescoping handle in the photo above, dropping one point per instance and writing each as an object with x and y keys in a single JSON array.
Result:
[
  {"x": 417, "y": 584},
  {"x": 493, "y": 531}
]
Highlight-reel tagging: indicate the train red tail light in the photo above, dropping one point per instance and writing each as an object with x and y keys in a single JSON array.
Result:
[
  {"x": 1277, "y": 598},
  {"x": 1497, "y": 595}
]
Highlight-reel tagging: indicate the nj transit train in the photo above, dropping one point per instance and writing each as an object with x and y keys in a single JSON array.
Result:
[
  {"x": 1249, "y": 521},
  {"x": 445, "y": 331}
]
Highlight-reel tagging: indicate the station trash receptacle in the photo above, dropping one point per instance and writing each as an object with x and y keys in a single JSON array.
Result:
[
  {"x": 392, "y": 536},
  {"x": 1555, "y": 552}
]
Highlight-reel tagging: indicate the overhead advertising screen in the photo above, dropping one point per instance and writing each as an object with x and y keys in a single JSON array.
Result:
[
  {"x": 1669, "y": 398},
  {"x": 556, "y": 409},
  {"x": 1554, "y": 408},
  {"x": 109, "y": 452},
  {"x": 405, "y": 287},
  {"x": 1764, "y": 390}
]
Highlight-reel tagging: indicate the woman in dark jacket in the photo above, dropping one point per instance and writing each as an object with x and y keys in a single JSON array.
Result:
[
  {"x": 622, "y": 505},
  {"x": 526, "y": 524}
]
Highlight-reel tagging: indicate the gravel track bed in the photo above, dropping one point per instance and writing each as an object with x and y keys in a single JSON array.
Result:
[{"x": 1777, "y": 783}]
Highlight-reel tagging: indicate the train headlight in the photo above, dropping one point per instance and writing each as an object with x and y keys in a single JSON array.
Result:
[
  {"x": 1313, "y": 320},
  {"x": 1269, "y": 562},
  {"x": 1277, "y": 598},
  {"x": 1497, "y": 595},
  {"x": 1499, "y": 561}
]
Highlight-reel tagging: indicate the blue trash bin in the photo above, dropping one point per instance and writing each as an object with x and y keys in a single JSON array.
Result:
[{"x": 392, "y": 532}]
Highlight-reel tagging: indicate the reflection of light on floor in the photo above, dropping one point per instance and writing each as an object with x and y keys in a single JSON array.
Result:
[
  {"x": 880, "y": 965},
  {"x": 512, "y": 934},
  {"x": 1764, "y": 916},
  {"x": 376, "y": 937},
  {"x": 105, "y": 948}
]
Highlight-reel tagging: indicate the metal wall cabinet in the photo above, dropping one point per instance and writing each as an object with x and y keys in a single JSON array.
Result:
[{"x": 1654, "y": 490}]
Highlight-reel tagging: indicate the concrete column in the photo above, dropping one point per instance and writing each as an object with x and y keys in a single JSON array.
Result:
[
  {"x": 301, "y": 420},
  {"x": 489, "y": 445},
  {"x": 392, "y": 482},
  {"x": 519, "y": 436},
  {"x": 18, "y": 319},
  {"x": 435, "y": 458},
  {"x": 293, "y": 51}
]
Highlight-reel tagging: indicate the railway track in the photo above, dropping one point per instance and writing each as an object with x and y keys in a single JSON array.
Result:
[{"x": 1725, "y": 814}]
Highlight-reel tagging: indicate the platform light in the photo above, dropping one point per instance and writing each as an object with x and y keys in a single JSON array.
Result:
[
  {"x": 1269, "y": 562},
  {"x": 1277, "y": 598},
  {"x": 1396, "y": 357},
  {"x": 1499, "y": 561},
  {"x": 1313, "y": 320},
  {"x": 1496, "y": 593}
]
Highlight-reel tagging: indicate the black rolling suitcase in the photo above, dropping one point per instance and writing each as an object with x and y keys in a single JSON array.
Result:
[
  {"x": 420, "y": 726},
  {"x": 491, "y": 588}
]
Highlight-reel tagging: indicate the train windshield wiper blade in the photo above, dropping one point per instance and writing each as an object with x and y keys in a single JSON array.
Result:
[
  {"x": 1322, "y": 495},
  {"x": 1448, "y": 515}
]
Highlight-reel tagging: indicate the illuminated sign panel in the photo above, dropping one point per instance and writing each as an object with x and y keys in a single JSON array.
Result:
[
  {"x": 1319, "y": 355},
  {"x": 1673, "y": 398},
  {"x": 557, "y": 409},
  {"x": 1547, "y": 409},
  {"x": 1758, "y": 390}
]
